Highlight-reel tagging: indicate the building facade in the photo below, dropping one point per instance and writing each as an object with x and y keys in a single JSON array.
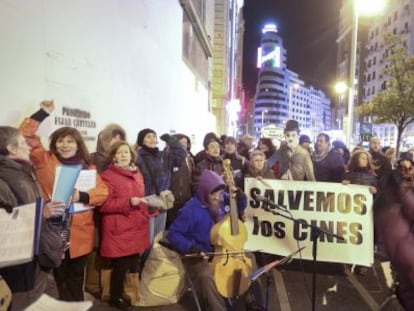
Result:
[
  {"x": 398, "y": 20},
  {"x": 149, "y": 63},
  {"x": 227, "y": 58}
]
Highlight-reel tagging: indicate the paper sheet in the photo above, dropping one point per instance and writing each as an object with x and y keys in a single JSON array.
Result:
[
  {"x": 16, "y": 235},
  {"x": 47, "y": 303},
  {"x": 85, "y": 182}
]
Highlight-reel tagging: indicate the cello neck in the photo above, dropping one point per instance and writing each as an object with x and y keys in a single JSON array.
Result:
[{"x": 233, "y": 204}]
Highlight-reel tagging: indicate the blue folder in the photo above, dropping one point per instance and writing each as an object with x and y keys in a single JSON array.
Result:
[{"x": 65, "y": 180}]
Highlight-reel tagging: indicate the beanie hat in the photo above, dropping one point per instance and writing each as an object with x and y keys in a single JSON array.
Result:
[
  {"x": 406, "y": 156},
  {"x": 304, "y": 139},
  {"x": 339, "y": 144},
  {"x": 209, "y": 138},
  {"x": 142, "y": 134}
]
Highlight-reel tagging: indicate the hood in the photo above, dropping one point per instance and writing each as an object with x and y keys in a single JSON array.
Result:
[{"x": 208, "y": 183}]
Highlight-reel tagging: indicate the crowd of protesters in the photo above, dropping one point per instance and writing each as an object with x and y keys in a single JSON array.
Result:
[{"x": 141, "y": 190}]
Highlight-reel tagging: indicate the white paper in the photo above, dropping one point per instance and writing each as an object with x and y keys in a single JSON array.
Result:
[
  {"x": 17, "y": 235},
  {"x": 85, "y": 182},
  {"x": 47, "y": 303}
]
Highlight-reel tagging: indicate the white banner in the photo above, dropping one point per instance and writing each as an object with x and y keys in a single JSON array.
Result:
[{"x": 344, "y": 210}]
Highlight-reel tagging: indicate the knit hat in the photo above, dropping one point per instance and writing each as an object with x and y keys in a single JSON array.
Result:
[
  {"x": 208, "y": 138},
  {"x": 304, "y": 139},
  {"x": 142, "y": 134},
  {"x": 406, "y": 156},
  {"x": 339, "y": 144}
]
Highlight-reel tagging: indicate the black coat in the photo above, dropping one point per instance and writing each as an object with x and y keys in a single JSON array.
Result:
[
  {"x": 330, "y": 169},
  {"x": 362, "y": 177}
]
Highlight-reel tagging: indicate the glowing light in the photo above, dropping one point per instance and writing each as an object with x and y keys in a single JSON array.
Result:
[
  {"x": 269, "y": 28},
  {"x": 272, "y": 56},
  {"x": 340, "y": 87},
  {"x": 370, "y": 7}
]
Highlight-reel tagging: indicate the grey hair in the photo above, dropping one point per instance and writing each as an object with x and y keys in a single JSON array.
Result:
[{"x": 8, "y": 136}]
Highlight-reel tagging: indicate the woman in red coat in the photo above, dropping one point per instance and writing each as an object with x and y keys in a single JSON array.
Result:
[{"x": 125, "y": 219}]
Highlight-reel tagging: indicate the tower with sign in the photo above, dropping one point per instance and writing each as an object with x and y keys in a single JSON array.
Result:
[{"x": 271, "y": 106}]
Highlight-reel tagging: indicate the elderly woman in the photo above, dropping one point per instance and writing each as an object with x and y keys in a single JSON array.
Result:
[
  {"x": 125, "y": 219},
  {"x": 18, "y": 186},
  {"x": 257, "y": 168}
]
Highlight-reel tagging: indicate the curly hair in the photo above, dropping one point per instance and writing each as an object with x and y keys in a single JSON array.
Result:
[{"x": 354, "y": 161}]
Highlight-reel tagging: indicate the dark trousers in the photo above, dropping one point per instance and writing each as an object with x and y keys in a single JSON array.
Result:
[
  {"x": 120, "y": 266},
  {"x": 70, "y": 277},
  {"x": 202, "y": 276}
]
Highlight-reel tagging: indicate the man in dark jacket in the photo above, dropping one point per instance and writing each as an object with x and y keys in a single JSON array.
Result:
[
  {"x": 328, "y": 165},
  {"x": 18, "y": 186}
]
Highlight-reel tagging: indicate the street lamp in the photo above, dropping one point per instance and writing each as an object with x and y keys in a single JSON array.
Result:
[
  {"x": 263, "y": 112},
  {"x": 365, "y": 7}
]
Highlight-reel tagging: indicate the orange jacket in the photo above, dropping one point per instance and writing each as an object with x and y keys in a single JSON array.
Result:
[{"x": 45, "y": 162}]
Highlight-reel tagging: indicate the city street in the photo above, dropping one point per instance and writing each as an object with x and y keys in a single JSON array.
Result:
[{"x": 337, "y": 288}]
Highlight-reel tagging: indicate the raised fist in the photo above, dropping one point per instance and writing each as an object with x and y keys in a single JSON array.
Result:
[{"x": 48, "y": 105}]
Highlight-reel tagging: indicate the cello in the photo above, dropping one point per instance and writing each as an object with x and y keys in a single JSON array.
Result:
[{"x": 233, "y": 269}]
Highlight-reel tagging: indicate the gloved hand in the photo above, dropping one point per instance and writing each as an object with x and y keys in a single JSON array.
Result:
[
  {"x": 168, "y": 197},
  {"x": 154, "y": 200}
]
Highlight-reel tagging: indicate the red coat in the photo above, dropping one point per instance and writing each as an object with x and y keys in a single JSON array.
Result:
[{"x": 124, "y": 228}]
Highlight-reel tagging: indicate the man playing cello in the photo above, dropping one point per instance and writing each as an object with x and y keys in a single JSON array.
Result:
[{"x": 190, "y": 234}]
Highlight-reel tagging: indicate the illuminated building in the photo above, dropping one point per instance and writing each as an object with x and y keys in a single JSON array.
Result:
[
  {"x": 397, "y": 20},
  {"x": 281, "y": 94},
  {"x": 226, "y": 64}
]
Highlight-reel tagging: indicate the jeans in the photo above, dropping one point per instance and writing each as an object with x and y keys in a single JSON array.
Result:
[{"x": 157, "y": 225}]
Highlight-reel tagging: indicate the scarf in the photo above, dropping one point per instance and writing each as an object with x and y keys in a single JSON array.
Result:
[
  {"x": 75, "y": 160},
  {"x": 152, "y": 151},
  {"x": 130, "y": 167},
  {"x": 317, "y": 157}
]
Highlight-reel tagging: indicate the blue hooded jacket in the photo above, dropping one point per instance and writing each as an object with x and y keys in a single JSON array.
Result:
[{"x": 191, "y": 228}]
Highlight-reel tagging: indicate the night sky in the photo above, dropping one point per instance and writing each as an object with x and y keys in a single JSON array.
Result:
[{"x": 308, "y": 29}]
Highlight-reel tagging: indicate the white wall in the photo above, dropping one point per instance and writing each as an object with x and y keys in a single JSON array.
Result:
[{"x": 119, "y": 60}]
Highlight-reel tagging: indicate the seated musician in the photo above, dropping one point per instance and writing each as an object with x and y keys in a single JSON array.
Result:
[{"x": 190, "y": 233}]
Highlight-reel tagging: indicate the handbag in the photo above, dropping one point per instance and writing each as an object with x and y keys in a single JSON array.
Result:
[{"x": 51, "y": 247}]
